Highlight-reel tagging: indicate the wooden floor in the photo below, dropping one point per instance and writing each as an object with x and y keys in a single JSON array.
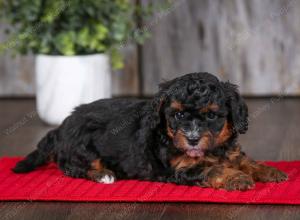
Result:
[{"x": 273, "y": 135}]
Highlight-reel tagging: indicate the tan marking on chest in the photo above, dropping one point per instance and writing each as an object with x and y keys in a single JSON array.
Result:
[
  {"x": 184, "y": 162},
  {"x": 224, "y": 134},
  {"x": 233, "y": 155}
]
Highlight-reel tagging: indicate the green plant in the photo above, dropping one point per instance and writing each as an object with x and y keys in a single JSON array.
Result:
[{"x": 71, "y": 27}]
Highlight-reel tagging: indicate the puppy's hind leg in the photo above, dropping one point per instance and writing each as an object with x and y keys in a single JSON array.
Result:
[{"x": 100, "y": 174}]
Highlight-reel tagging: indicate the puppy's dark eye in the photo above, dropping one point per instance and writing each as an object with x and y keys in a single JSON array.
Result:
[
  {"x": 211, "y": 116},
  {"x": 179, "y": 115}
]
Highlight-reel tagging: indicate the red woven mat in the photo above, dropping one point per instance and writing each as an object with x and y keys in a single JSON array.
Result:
[{"x": 48, "y": 184}]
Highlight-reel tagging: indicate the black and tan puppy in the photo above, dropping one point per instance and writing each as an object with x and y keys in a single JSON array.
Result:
[{"x": 187, "y": 134}]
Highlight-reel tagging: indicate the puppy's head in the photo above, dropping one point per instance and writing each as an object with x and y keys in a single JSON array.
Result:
[{"x": 200, "y": 113}]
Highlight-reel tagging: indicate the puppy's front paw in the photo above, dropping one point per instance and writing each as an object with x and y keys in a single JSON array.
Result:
[
  {"x": 105, "y": 176},
  {"x": 269, "y": 174},
  {"x": 238, "y": 181},
  {"x": 106, "y": 179},
  {"x": 228, "y": 178}
]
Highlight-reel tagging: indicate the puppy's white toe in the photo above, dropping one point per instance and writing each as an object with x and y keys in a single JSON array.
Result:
[{"x": 106, "y": 179}]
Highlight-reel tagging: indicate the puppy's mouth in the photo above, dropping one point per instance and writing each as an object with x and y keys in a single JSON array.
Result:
[
  {"x": 198, "y": 152},
  {"x": 198, "y": 149},
  {"x": 192, "y": 147}
]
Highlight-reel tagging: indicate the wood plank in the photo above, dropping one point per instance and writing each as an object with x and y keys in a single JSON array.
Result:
[
  {"x": 125, "y": 82},
  {"x": 252, "y": 43},
  {"x": 136, "y": 211},
  {"x": 16, "y": 72}
]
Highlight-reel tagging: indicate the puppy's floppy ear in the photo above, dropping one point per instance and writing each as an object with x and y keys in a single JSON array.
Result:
[
  {"x": 156, "y": 107},
  {"x": 238, "y": 110},
  {"x": 158, "y": 103}
]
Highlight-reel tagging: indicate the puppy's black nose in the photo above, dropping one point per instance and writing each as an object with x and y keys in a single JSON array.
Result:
[{"x": 193, "y": 141}]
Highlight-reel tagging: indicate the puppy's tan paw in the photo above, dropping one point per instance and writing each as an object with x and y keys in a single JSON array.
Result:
[
  {"x": 239, "y": 181},
  {"x": 269, "y": 174},
  {"x": 229, "y": 179}
]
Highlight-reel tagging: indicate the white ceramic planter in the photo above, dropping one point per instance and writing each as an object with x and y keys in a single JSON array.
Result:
[{"x": 64, "y": 82}]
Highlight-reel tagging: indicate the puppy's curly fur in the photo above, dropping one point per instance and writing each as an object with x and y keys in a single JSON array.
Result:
[{"x": 187, "y": 134}]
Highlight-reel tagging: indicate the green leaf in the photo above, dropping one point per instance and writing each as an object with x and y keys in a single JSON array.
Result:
[
  {"x": 101, "y": 31},
  {"x": 116, "y": 59},
  {"x": 64, "y": 43},
  {"x": 83, "y": 37},
  {"x": 53, "y": 9}
]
